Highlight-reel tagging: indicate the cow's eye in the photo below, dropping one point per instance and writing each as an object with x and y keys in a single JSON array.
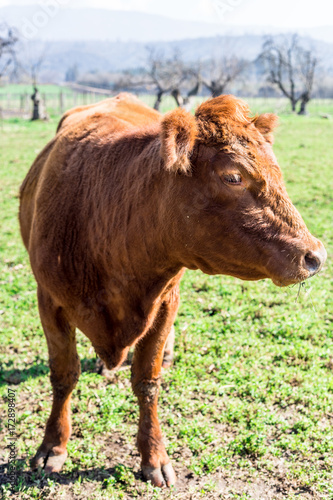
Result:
[{"x": 233, "y": 179}]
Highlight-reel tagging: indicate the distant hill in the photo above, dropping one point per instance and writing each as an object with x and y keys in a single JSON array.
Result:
[
  {"x": 111, "y": 41},
  {"x": 67, "y": 24},
  {"x": 117, "y": 56},
  {"x": 108, "y": 56}
]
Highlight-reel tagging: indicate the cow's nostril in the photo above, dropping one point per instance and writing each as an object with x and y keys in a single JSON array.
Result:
[{"x": 312, "y": 262}]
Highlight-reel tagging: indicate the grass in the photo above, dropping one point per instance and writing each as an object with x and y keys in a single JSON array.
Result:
[{"x": 246, "y": 409}]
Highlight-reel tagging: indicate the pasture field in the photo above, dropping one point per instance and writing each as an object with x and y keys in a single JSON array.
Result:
[{"x": 247, "y": 408}]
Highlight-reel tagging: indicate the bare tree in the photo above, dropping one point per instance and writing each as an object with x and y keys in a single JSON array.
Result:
[
  {"x": 30, "y": 65},
  {"x": 8, "y": 40},
  {"x": 191, "y": 87},
  {"x": 220, "y": 71},
  {"x": 166, "y": 74},
  {"x": 291, "y": 68},
  {"x": 307, "y": 74},
  {"x": 161, "y": 74},
  {"x": 38, "y": 111}
]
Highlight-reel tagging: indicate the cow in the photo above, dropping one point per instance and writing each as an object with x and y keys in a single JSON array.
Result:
[{"x": 112, "y": 212}]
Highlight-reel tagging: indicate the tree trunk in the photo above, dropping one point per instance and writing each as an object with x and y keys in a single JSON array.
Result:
[
  {"x": 216, "y": 89},
  {"x": 191, "y": 93},
  {"x": 158, "y": 100},
  {"x": 293, "y": 104},
  {"x": 177, "y": 97},
  {"x": 35, "y": 100},
  {"x": 302, "y": 108}
]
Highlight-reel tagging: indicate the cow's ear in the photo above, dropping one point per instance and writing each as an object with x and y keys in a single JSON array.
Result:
[
  {"x": 178, "y": 134},
  {"x": 266, "y": 123}
]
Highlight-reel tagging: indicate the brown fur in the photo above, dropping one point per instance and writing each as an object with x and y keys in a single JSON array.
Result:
[
  {"x": 179, "y": 132},
  {"x": 115, "y": 208}
]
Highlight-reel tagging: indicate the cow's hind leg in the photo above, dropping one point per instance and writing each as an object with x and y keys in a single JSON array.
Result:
[
  {"x": 65, "y": 371},
  {"x": 146, "y": 369},
  {"x": 169, "y": 349}
]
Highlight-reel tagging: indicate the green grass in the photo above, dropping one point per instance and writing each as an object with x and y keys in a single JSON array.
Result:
[{"x": 246, "y": 409}]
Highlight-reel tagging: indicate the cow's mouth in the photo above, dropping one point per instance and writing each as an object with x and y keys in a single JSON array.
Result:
[{"x": 308, "y": 265}]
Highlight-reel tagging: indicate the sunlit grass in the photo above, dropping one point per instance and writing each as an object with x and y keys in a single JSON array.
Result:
[{"x": 251, "y": 391}]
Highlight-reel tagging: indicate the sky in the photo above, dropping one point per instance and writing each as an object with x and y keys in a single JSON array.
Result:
[{"x": 280, "y": 13}]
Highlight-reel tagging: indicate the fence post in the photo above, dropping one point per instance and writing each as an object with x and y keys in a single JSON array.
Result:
[
  {"x": 27, "y": 102},
  {"x": 44, "y": 103},
  {"x": 22, "y": 103},
  {"x": 61, "y": 102}
]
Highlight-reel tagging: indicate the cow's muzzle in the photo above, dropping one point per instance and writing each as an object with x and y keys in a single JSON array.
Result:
[
  {"x": 314, "y": 260},
  {"x": 306, "y": 261}
]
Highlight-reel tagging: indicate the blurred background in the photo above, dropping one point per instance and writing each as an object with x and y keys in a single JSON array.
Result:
[{"x": 57, "y": 54}]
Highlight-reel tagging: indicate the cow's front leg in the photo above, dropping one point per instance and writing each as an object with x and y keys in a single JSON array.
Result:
[
  {"x": 65, "y": 371},
  {"x": 146, "y": 369}
]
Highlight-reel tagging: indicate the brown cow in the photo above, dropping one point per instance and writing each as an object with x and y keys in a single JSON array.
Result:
[{"x": 114, "y": 209}]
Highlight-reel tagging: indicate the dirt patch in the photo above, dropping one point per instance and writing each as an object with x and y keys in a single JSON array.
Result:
[
  {"x": 121, "y": 468},
  {"x": 223, "y": 484}
]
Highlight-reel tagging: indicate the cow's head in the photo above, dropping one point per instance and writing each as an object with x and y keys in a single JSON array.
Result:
[{"x": 235, "y": 214}]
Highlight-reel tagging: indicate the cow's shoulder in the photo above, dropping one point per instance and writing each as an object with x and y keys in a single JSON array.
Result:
[{"x": 122, "y": 111}]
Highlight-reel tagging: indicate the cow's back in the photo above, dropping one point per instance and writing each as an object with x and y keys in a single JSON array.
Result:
[
  {"x": 106, "y": 119},
  {"x": 126, "y": 107}
]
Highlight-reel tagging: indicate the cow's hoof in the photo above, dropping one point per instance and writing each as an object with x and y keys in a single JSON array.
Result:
[
  {"x": 49, "y": 461},
  {"x": 102, "y": 370},
  {"x": 167, "y": 362},
  {"x": 164, "y": 476}
]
